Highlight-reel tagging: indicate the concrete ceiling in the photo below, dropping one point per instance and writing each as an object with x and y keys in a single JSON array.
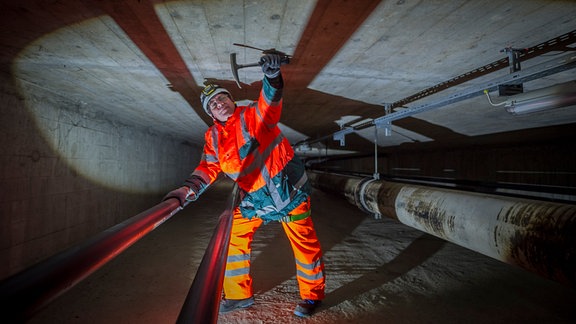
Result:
[{"x": 144, "y": 62}]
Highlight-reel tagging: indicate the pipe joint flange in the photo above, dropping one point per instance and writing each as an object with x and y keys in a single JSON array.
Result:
[{"x": 359, "y": 195}]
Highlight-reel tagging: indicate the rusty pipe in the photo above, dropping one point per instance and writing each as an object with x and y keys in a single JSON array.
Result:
[{"x": 538, "y": 236}]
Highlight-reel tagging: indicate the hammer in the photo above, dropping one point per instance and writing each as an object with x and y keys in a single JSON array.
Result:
[{"x": 284, "y": 59}]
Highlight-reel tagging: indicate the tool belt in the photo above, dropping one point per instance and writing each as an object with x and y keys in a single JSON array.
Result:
[{"x": 293, "y": 218}]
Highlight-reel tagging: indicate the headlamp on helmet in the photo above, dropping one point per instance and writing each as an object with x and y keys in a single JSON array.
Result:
[{"x": 209, "y": 92}]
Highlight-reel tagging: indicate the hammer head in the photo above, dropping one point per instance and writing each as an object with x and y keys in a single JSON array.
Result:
[
  {"x": 285, "y": 59},
  {"x": 235, "y": 67}
]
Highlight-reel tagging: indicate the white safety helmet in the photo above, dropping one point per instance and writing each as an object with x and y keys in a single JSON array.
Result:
[{"x": 208, "y": 93}]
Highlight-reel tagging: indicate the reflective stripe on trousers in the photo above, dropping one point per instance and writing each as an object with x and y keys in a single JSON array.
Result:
[{"x": 304, "y": 243}]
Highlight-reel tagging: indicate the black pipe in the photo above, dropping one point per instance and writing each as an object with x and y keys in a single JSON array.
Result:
[
  {"x": 25, "y": 293},
  {"x": 203, "y": 300}
]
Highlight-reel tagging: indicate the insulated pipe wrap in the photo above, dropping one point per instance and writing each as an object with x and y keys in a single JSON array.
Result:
[
  {"x": 339, "y": 185},
  {"x": 538, "y": 236},
  {"x": 535, "y": 235},
  {"x": 462, "y": 218}
]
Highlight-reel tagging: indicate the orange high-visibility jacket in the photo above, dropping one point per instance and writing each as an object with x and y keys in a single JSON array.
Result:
[{"x": 250, "y": 149}]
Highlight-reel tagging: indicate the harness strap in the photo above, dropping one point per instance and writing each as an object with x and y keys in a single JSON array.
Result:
[{"x": 293, "y": 218}]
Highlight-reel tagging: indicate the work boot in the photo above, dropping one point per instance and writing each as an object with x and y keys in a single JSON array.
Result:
[
  {"x": 306, "y": 307},
  {"x": 228, "y": 305}
]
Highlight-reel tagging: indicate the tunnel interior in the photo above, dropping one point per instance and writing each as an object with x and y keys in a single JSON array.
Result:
[{"x": 101, "y": 117}]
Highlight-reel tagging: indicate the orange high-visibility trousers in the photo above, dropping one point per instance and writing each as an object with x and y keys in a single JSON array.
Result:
[{"x": 305, "y": 245}]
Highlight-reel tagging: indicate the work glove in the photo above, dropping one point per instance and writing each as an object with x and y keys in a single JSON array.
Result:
[
  {"x": 182, "y": 194},
  {"x": 270, "y": 65}
]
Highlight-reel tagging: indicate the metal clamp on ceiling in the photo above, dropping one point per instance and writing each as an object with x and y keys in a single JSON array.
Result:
[
  {"x": 360, "y": 195},
  {"x": 340, "y": 135}
]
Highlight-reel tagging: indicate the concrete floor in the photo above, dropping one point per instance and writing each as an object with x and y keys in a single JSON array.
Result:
[{"x": 377, "y": 271}]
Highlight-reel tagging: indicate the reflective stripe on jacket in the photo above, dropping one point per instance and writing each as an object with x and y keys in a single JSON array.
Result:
[{"x": 250, "y": 149}]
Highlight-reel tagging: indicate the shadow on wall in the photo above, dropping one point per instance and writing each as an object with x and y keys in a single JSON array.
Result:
[{"x": 46, "y": 206}]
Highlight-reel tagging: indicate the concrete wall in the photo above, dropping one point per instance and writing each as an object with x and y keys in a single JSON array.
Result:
[
  {"x": 68, "y": 172},
  {"x": 548, "y": 165}
]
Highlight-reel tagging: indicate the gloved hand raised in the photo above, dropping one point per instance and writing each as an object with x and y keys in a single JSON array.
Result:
[
  {"x": 270, "y": 65},
  {"x": 182, "y": 194}
]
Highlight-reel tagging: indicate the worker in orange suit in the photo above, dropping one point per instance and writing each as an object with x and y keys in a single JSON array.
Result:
[{"x": 246, "y": 144}]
